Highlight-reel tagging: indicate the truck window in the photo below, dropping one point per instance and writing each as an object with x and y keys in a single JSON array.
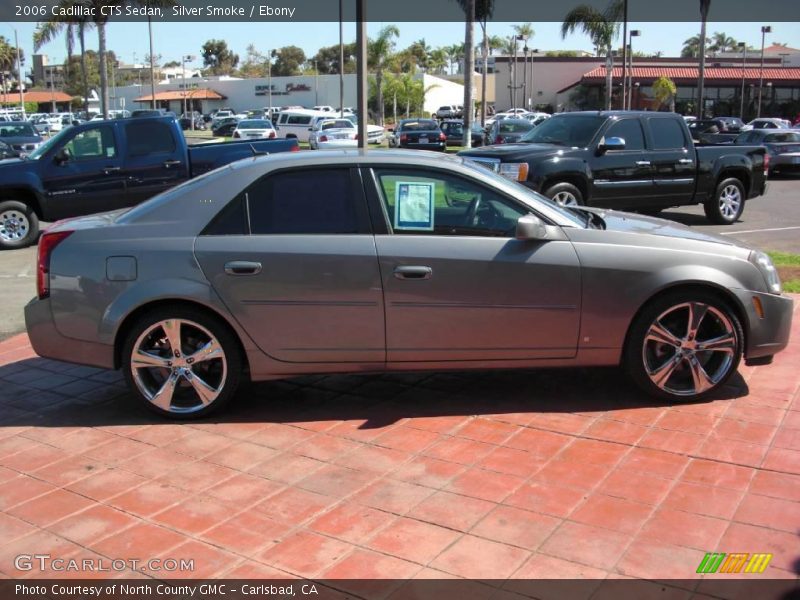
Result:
[
  {"x": 629, "y": 130},
  {"x": 667, "y": 134},
  {"x": 149, "y": 137},
  {"x": 92, "y": 144},
  {"x": 293, "y": 202},
  {"x": 298, "y": 120}
]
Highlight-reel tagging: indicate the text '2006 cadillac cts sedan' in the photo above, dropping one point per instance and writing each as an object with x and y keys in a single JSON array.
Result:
[{"x": 342, "y": 261}]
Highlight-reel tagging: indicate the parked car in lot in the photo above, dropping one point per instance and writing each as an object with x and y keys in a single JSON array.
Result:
[
  {"x": 420, "y": 134},
  {"x": 454, "y": 132},
  {"x": 348, "y": 262},
  {"x": 635, "y": 160},
  {"x": 766, "y": 123},
  {"x": 783, "y": 147},
  {"x": 219, "y": 116},
  {"x": 105, "y": 165},
  {"x": 711, "y": 131},
  {"x": 6, "y": 151},
  {"x": 253, "y": 129},
  {"x": 333, "y": 133},
  {"x": 192, "y": 120},
  {"x": 536, "y": 117},
  {"x": 21, "y": 136},
  {"x": 508, "y": 130},
  {"x": 225, "y": 127}
]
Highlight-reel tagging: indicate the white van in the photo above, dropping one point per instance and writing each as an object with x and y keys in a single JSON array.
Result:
[{"x": 298, "y": 123}]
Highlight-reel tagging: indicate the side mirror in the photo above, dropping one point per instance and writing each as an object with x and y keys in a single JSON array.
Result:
[
  {"x": 612, "y": 143},
  {"x": 61, "y": 157},
  {"x": 530, "y": 227}
]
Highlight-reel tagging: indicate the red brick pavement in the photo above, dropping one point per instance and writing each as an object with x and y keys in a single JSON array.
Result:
[{"x": 561, "y": 474}]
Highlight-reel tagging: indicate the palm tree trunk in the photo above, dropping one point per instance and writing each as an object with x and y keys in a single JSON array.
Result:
[
  {"x": 702, "y": 75},
  {"x": 485, "y": 70},
  {"x": 609, "y": 72},
  {"x": 379, "y": 94},
  {"x": 469, "y": 70},
  {"x": 101, "y": 39},
  {"x": 84, "y": 73}
]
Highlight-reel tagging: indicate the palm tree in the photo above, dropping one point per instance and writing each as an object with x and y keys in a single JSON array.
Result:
[
  {"x": 691, "y": 47},
  {"x": 721, "y": 42},
  {"x": 380, "y": 49},
  {"x": 483, "y": 10},
  {"x": 601, "y": 27},
  {"x": 437, "y": 60},
  {"x": 705, "y": 5},
  {"x": 495, "y": 42}
]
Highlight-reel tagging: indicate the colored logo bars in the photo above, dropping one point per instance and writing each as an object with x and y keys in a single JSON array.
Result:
[{"x": 742, "y": 562}]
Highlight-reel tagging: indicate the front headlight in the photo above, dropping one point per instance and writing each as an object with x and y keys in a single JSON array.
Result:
[
  {"x": 764, "y": 264},
  {"x": 514, "y": 171}
]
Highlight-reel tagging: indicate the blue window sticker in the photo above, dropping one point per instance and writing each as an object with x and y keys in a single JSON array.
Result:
[{"x": 413, "y": 205}]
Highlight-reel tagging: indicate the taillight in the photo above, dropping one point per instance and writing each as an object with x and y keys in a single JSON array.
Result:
[
  {"x": 498, "y": 140},
  {"x": 356, "y": 138},
  {"x": 442, "y": 137},
  {"x": 236, "y": 134},
  {"x": 47, "y": 243},
  {"x": 766, "y": 164},
  {"x": 323, "y": 138},
  {"x": 271, "y": 134},
  {"x": 404, "y": 138},
  {"x": 295, "y": 148}
]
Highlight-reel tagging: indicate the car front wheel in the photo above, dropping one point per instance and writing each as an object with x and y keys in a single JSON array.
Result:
[
  {"x": 19, "y": 225},
  {"x": 182, "y": 362},
  {"x": 684, "y": 346},
  {"x": 565, "y": 194}
]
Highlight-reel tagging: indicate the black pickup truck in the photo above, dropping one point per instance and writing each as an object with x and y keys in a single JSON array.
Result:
[
  {"x": 632, "y": 160},
  {"x": 106, "y": 165}
]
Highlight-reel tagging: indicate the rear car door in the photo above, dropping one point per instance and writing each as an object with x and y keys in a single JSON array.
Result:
[
  {"x": 90, "y": 179},
  {"x": 623, "y": 178},
  {"x": 674, "y": 160},
  {"x": 154, "y": 161},
  {"x": 457, "y": 284},
  {"x": 294, "y": 260}
]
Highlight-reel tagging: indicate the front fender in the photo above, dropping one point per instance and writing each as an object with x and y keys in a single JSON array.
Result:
[{"x": 555, "y": 169}]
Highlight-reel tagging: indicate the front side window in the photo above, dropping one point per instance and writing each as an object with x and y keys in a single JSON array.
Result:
[
  {"x": 435, "y": 203},
  {"x": 92, "y": 144},
  {"x": 629, "y": 130},
  {"x": 303, "y": 202},
  {"x": 574, "y": 131}
]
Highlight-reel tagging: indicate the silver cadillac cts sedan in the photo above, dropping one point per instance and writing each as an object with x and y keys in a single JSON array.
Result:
[{"x": 342, "y": 261}]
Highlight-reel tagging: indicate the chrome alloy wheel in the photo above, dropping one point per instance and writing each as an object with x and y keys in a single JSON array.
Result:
[
  {"x": 730, "y": 201},
  {"x": 179, "y": 366},
  {"x": 14, "y": 225},
  {"x": 565, "y": 199},
  {"x": 689, "y": 348}
]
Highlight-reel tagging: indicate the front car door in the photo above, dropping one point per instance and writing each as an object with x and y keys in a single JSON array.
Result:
[
  {"x": 674, "y": 160},
  {"x": 457, "y": 285},
  {"x": 623, "y": 178},
  {"x": 154, "y": 162},
  {"x": 294, "y": 260},
  {"x": 88, "y": 177}
]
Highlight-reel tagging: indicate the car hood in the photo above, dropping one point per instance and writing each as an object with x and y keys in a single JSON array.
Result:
[
  {"x": 634, "y": 223},
  {"x": 508, "y": 152}
]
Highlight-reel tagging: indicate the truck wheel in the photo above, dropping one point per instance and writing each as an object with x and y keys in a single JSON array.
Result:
[
  {"x": 684, "y": 345},
  {"x": 727, "y": 205},
  {"x": 19, "y": 225},
  {"x": 565, "y": 194},
  {"x": 181, "y": 362}
]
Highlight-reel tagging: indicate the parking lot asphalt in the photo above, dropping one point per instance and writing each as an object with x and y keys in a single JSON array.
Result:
[{"x": 771, "y": 222}]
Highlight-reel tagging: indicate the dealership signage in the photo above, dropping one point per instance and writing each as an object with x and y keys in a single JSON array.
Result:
[{"x": 263, "y": 90}]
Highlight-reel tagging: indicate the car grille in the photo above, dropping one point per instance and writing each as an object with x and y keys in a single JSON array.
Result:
[
  {"x": 493, "y": 164},
  {"x": 24, "y": 147}
]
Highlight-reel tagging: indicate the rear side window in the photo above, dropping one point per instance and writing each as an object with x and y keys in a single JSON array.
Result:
[
  {"x": 629, "y": 130},
  {"x": 302, "y": 202},
  {"x": 667, "y": 134},
  {"x": 149, "y": 137},
  {"x": 299, "y": 120}
]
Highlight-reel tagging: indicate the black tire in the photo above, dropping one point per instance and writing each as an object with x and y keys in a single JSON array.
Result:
[
  {"x": 644, "y": 358},
  {"x": 19, "y": 225},
  {"x": 723, "y": 209},
  {"x": 223, "y": 373},
  {"x": 567, "y": 191}
]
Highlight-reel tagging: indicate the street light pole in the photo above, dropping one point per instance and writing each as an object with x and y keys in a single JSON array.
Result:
[
  {"x": 743, "y": 46},
  {"x": 526, "y": 98},
  {"x": 634, "y": 33},
  {"x": 341, "y": 61},
  {"x": 152, "y": 65},
  {"x": 20, "y": 76},
  {"x": 765, "y": 29},
  {"x": 269, "y": 82}
]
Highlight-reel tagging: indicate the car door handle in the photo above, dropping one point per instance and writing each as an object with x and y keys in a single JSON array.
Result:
[
  {"x": 242, "y": 267},
  {"x": 110, "y": 170},
  {"x": 413, "y": 272},
  {"x": 642, "y": 163},
  {"x": 685, "y": 161},
  {"x": 172, "y": 163}
]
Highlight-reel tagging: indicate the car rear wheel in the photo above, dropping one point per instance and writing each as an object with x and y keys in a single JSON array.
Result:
[
  {"x": 19, "y": 225},
  {"x": 565, "y": 194},
  {"x": 181, "y": 362},
  {"x": 684, "y": 346},
  {"x": 727, "y": 205}
]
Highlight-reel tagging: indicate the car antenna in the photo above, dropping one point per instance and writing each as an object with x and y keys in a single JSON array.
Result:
[{"x": 258, "y": 152}]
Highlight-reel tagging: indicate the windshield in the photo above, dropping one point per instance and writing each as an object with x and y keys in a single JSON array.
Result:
[
  {"x": 514, "y": 126},
  {"x": 420, "y": 126},
  {"x": 340, "y": 124},
  {"x": 17, "y": 130},
  {"x": 782, "y": 137},
  {"x": 527, "y": 195},
  {"x": 575, "y": 131},
  {"x": 52, "y": 142},
  {"x": 255, "y": 124}
]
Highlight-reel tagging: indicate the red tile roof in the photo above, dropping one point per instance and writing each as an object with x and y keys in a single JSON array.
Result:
[
  {"x": 677, "y": 74},
  {"x": 194, "y": 94},
  {"x": 39, "y": 96}
]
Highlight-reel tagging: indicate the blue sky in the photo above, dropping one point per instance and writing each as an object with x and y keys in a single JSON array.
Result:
[{"x": 171, "y": 40}]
